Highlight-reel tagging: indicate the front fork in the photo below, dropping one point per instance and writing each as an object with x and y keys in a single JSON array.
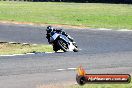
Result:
[{"x": 74, "y": 43}]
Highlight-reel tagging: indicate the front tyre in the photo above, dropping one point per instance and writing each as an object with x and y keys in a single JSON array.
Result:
[
  {"x": 75, "y": 49},
  {"x": 63, "y": 45}
]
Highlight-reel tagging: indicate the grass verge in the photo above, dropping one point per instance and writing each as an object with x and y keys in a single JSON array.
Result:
[
  {"x": 77, "y": 14},
  {"x": 6, "y": 48}
]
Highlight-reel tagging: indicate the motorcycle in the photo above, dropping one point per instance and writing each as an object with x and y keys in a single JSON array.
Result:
[{"x": 61, "y": 42}]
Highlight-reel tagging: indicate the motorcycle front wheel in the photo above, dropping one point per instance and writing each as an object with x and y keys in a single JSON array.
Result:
[
  {"x": 75, "y": 49},
  {"x": 63, "y": 45}
]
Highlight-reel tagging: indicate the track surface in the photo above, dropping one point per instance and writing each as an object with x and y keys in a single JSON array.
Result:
[{"x": 102, "y": 52}]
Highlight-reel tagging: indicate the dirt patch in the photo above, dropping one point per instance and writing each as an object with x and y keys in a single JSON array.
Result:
[{"x": 40, "y": 24}]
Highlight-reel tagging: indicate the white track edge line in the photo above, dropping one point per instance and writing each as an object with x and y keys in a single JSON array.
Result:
[
  {"x": 71, "y": 68},
  {"x": 107, "y": 29},
  {"x": 60, "y": 69}
]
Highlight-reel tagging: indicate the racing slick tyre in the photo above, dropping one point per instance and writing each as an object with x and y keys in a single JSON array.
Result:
[
  {"x": 75, "y": 49},
  {"x": 55, "y": 48}
]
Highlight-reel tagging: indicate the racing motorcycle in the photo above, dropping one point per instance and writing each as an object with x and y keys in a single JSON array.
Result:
[{"x": 61, "y": 42}]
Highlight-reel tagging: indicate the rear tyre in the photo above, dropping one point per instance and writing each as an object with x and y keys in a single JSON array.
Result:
[
  {"x": 55, "y": 50},
  {"x": 55, "y": 47},
  {"x": 63, "y": 45}
]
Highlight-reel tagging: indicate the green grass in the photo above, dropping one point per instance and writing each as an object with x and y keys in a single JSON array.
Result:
[
  {"x": 6, "y": 48},
  {"x": 103, "y": 86},
  {"x": 78, "y": 14}
]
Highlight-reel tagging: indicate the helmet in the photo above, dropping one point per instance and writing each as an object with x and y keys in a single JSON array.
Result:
[{"x": 49, "y": 29}]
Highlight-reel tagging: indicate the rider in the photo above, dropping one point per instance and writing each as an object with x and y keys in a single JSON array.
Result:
[{"x": 50, "y": 29}]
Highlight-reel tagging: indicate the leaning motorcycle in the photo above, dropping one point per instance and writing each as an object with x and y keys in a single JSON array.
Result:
[{"x": 61, "y": 42}]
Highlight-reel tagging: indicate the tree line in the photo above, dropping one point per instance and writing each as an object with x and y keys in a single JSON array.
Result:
[{"x": 90, "y": 1}]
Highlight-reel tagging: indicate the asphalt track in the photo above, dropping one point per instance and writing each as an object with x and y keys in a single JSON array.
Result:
[{"x": 101, "y": 52}]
